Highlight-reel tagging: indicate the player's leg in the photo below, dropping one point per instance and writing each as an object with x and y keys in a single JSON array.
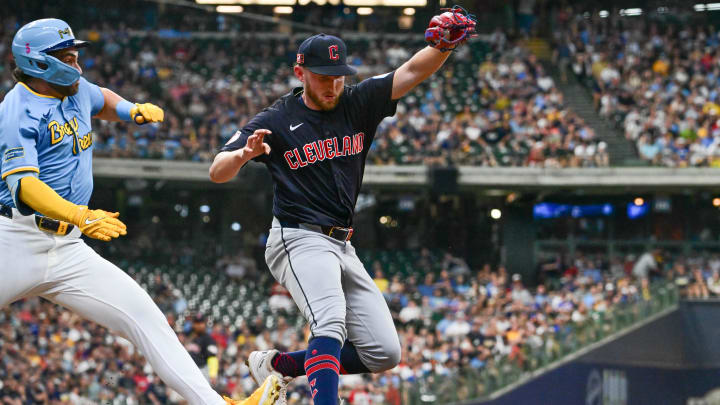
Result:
[
  {"x": 96, "y": 289},
  {"x": 24, "y": 256},
  {"x": 308, "y": 265},
  {"x": 290, "y": 364},
  {"x": 369, "y": 322}
]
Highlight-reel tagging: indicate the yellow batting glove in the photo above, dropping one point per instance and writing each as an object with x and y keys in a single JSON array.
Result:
[
  {"x": 99, "y": 224},
  {"x": 145, "y": 113}
]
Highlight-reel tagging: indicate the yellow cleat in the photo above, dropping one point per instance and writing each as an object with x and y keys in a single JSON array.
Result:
[{"x": 267, "y": 394}]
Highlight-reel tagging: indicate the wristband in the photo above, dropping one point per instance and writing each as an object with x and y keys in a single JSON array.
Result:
[{"x": 123, "y": 110}]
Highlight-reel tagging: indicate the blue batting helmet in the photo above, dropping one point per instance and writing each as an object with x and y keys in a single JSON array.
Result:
[{"x": 33, "y": 43}]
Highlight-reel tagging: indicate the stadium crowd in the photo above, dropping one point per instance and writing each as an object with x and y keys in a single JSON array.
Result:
[
  {"x": 493, "y": 104},
  {"x": 448, "y": 320},
  {"x": 510, "y": 114},
  {"x": 657, "y": 81}
]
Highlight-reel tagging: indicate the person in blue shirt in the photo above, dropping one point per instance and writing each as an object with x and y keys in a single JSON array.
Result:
[{"x": 46, "y": 144}]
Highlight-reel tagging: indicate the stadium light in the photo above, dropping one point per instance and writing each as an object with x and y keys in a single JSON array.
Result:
[
  {"x": 204, "y": 208},
  {"x": 404, "y": 3},
  {"x": 409, "y": 11},
  {"x": 283, "y": 10},
  {"x": 229, "y": 9},
  {"x": 495, "y": 213},
  {"x": 235, "y": 226},
  {"x": 364, "y": 10},
  {"x": 699, "y": 7},
  {"x": 630, "y": 12},
  {"x": 713, "y": 6},
  {"x": 387, "y": 3},
  {"x": 604, "y": 14},
  {"x": 361, "y": 2},
  {"x": 270, "y": 2},
  {"x": 716, "y": 202},
  {"x": 217, "y": 2}
]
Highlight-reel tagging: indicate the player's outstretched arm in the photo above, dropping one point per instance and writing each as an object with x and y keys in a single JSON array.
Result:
[
  {"x": 413, "y": 72},
  {"x": 117, "y": 108},
  {"x": 227, "y": 164},
  {"x": 446, "y": 32},
  {"x": 97, "y": 224}
]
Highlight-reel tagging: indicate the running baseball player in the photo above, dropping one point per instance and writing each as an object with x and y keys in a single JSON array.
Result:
[
  {"x": 46, "y": 162},
  {"x": 314, "y": 141}
]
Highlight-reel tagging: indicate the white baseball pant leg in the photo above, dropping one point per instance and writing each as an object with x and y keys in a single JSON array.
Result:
[
  {"x": 64, "y": 270},
  {"x": 334, "y": 292}
]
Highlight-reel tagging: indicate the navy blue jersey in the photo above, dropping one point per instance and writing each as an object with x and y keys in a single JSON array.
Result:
[{"x": 317, "y": 158}]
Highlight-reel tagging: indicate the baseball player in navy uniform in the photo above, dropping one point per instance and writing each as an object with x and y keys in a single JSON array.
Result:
[
  {"x": 315, "y": 141},
  {"x": 46, "y": 163}
]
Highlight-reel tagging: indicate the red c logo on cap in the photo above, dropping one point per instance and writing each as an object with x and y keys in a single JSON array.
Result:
[
  {"x": 300, "y": 59},
  {"x": 333, "y": 49}
]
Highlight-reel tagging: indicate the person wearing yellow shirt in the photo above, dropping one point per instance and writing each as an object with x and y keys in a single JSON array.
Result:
[{"x": 380, "y": 281}]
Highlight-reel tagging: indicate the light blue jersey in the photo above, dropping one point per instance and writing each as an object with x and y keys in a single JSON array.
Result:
[{"x": 50, "y": 136}]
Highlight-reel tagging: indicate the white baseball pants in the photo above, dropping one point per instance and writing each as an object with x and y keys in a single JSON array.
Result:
[{"x": 64, "y": 270}]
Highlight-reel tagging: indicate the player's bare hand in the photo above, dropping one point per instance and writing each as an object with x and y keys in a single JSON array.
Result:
[
  {"x": 100, "y": 224},
  {"x": 255, "y": 145}
]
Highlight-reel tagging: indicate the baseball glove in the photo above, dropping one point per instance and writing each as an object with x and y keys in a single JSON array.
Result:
[{"x": 450, "y": 29}]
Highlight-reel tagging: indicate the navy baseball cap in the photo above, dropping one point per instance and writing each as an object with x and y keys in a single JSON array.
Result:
[{"x": 325, "y": 55}]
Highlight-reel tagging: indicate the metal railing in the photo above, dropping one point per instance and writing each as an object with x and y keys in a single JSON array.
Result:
[{"x": 501, "y": 372}]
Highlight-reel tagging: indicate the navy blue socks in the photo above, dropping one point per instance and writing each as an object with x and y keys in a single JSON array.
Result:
[
  {"x": 291, "y": 364},
  {"x": 322, "y": 366}
]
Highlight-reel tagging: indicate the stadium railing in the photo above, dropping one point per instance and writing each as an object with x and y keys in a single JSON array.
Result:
[
  {"x": 418, "y": 175},
  {"x": 477, "y": 384}
]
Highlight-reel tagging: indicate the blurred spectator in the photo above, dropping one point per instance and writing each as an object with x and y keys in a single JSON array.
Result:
[
  {"x": 280, "y": 299},
  {"x": 238, "y": 266},
  {"x": 380, "y": 281},
  {"x": 645, "y": 264},
  {"x": 713, "y": 283},
  {"x": 202, "y": 347}
]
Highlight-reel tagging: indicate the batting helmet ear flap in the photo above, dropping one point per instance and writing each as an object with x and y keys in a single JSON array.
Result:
[
  {"x": 40, "y": 65},
  {"x": 31, "y": 49}
]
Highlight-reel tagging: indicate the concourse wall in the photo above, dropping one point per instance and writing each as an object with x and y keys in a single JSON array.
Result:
[{"x": 674, "y": 360}]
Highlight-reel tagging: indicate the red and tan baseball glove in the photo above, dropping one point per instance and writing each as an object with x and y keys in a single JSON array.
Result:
[{"x": 450, "y": 29}]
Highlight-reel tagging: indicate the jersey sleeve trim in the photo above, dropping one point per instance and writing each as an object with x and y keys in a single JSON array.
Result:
[
  {"x": 36, "y": 93},
  {"x": 20, "y": 169}
]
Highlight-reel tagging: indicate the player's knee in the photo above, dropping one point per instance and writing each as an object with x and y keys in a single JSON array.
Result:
[{"x": 390, "y": 356}]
